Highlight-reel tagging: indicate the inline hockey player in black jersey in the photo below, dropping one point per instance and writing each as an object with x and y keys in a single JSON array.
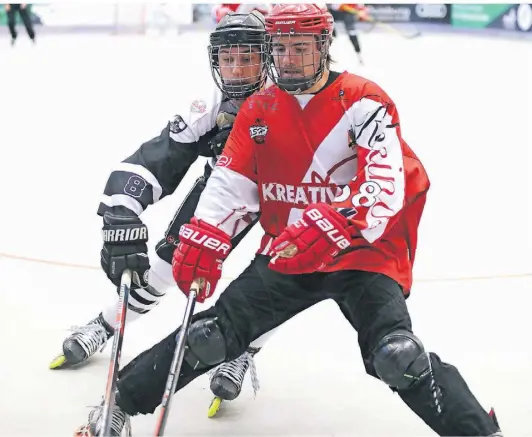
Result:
[{"x": 154, "y": 171}]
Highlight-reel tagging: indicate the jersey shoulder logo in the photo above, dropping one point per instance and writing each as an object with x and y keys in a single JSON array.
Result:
[
  {"x": 258, "y": 131},
  {"x": 198, "y": 106}
]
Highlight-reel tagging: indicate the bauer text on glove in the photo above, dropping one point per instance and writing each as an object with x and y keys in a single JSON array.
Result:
[
  {"x": 200, "y": 254},
  {"x": 312, "y": 242}
]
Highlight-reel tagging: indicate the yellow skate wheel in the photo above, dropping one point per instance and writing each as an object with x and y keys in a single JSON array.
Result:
[
  {"x": 214, "y": 407},
  {"x": 58, "y": 362}
]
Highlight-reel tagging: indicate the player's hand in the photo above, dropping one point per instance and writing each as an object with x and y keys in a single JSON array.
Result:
[
  {"x": 200, "y": 254},
  {"x": 124, "y": 247},
  {"x": 312, "y": 242},
  {"x": 224, "y": 121}
]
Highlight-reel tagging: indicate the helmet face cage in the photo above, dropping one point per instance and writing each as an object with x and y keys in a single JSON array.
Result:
[
  {"x": 238, "y": 69},
  {"x": 297, "y": 60},
  {"x": 238, "y": 61}
]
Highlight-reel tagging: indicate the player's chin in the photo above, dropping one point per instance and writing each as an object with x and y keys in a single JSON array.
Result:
[
  {"x": 292, "y": 75},
  {"x": 236, "y": 83}
]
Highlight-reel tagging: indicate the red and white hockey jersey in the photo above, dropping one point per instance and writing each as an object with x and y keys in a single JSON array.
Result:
[{"x": 342, "y": 146}]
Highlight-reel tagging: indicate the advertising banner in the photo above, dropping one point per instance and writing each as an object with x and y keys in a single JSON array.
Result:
[
  {"x": 518, "y": 18},
  {"x": 3, "y": 16},
  {"x": 410, "y": 13},
  {"x": 477, "y": 16}
]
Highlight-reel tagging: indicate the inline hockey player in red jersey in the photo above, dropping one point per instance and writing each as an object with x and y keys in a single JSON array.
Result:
[{"x": 322, "y": 157}]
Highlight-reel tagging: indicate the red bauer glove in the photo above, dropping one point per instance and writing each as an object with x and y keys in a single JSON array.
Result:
[
  {"x": 312, "y": 242},
  {"x": 200, "y": 253}
]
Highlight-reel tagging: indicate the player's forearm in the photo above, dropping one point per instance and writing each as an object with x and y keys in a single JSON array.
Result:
[
  {"x": 151, "y": 173},
  {"x": 229, "y": 201}
]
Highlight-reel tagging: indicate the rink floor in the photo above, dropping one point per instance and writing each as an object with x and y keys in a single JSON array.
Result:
[{"x": 75, "y": 106}]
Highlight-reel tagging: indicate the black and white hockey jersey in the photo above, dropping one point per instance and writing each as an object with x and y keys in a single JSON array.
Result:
[{"x": 158, "y": 166}]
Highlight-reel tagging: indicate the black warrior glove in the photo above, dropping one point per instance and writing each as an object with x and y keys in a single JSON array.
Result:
[{"x": 124, "y": 247}]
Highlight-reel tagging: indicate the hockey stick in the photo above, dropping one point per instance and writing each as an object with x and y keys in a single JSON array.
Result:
[
  {"x": 177, "y": 360},
  {"x": 385, "y": 26},
  {"x": 109, "y": 401}
]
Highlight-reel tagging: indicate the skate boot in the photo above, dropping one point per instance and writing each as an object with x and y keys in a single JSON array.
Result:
[
  {"x": 83, "y": 343},
  {"x": 119, "y": 422},
  {"x": 227, "y": 379}
]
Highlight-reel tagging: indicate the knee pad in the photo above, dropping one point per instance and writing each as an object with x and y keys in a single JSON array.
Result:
[
  {"x": 205, "y": 344},
  {"x": 400, "y": 360}
]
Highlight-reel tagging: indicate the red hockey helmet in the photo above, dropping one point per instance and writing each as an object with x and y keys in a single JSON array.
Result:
[
  {"x": 299, "y": 18},
  {"x": 300, "y": 37}
]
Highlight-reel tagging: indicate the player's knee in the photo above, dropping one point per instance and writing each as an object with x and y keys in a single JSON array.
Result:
[
  {"x": 205, "y": 344},
  {"x": 400, "y": 360}
]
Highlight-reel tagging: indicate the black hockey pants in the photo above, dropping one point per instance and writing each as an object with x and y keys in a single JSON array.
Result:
[{"x": 261, "y": 299}]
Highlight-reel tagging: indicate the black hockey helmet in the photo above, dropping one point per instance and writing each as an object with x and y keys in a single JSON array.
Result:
[{"x": 235, "y": 39}]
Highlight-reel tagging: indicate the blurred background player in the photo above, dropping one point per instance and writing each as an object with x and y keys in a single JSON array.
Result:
[
  {"x": 219, "y": 11},
  {"x": 349, "y": 14},
  {"x": 154, "y": 171},
  {"x": 22, "y": 9}
]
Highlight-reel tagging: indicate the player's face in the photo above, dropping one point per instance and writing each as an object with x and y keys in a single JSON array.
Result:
[
  {"x": 295, "y": 56},
  {"x": 239, "y": 65}
]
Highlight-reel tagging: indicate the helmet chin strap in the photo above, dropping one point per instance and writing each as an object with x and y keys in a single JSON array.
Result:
[
  {"x": 297, "y": 85},
  {"x": 240, "y": 92}
]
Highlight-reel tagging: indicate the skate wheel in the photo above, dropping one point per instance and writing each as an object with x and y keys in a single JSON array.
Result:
[
  {"x": 214, "y": 407},
  {"x": 58, "y": 362}
]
